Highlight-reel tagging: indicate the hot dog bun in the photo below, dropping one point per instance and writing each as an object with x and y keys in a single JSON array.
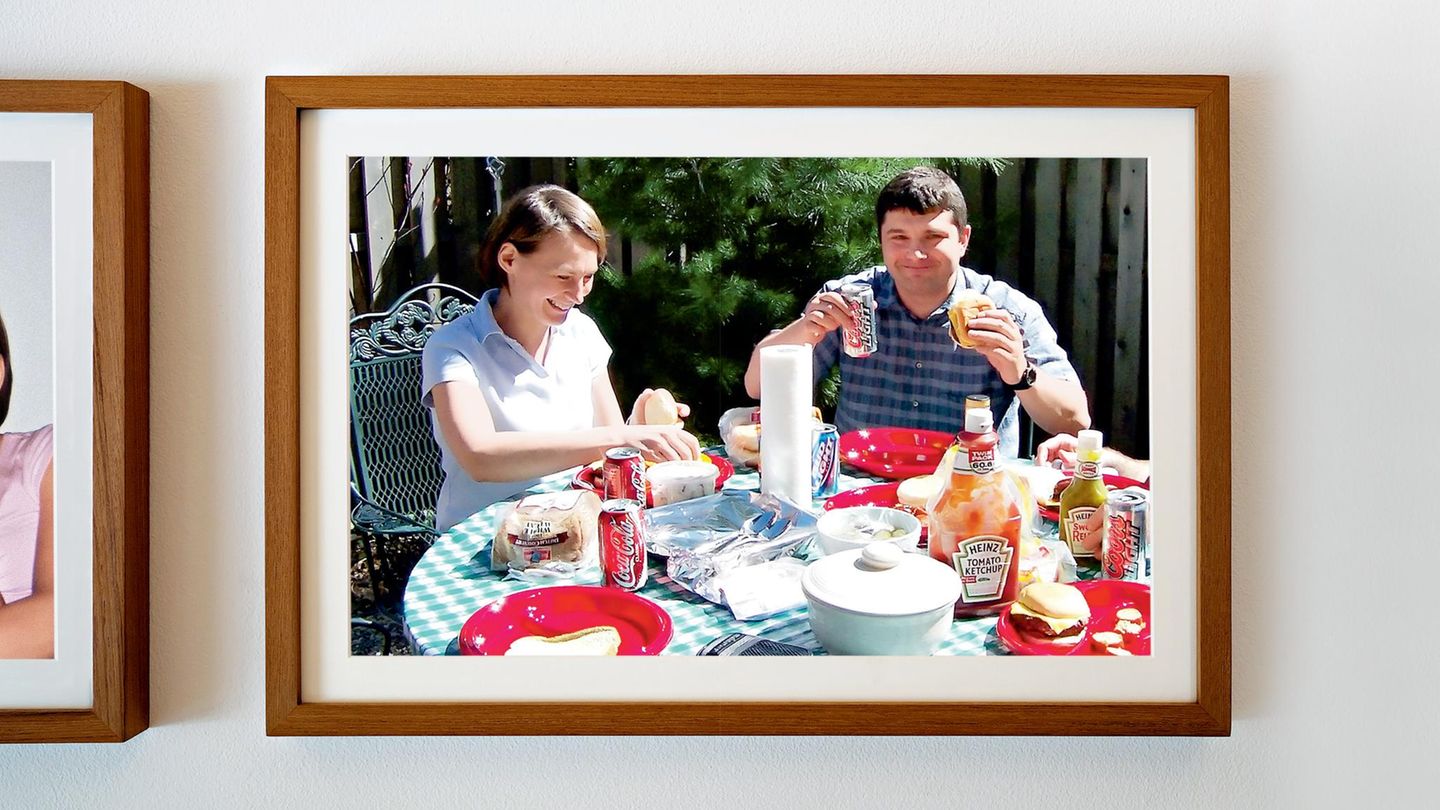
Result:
[{"x": 602, "y": 640}]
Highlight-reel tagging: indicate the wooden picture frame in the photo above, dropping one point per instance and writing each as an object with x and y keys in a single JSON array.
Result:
[
  {"x": 288, "y": 714},
  {"x": 121, "y": 165}
]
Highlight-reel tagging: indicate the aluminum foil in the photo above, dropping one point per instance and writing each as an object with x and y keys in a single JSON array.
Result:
[{"x": 707, "y": 538}]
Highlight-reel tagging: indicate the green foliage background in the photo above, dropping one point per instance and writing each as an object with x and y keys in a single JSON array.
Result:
[{"x": 728, "y": 249}]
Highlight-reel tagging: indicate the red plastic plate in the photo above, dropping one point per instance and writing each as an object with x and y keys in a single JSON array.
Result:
[
  {"x": 1105, "y": 597},
  {"x": 644, "y": 626},
  {"x": 894, "y": 453},
  {"x": 588, "y": 477},
  {"x": 1111, "y": 482}
]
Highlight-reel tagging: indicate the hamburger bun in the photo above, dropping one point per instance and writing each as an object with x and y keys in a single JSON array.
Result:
[
  {"x": 660, "y": 408},
  {"x": 1051, "y": 610},
  {"x": 916, "y": 492},
  {"x": 747, "y": 437},
  {"x": 968, "y": 304}
]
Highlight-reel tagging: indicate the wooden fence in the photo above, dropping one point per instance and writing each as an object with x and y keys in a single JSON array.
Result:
[{"x": 1071, "y": 233}]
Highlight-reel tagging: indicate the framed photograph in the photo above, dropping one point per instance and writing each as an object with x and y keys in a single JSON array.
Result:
[
  {"x": 74, "y": 420},
  {"x": 526, "y": 332}
]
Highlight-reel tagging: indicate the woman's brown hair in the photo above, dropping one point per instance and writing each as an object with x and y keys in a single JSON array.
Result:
[
  {"x": 8, "y": 384},
  {"x": 529, "y": 216}
]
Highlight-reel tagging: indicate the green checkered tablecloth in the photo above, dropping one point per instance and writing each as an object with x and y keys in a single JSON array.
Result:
[{"x": 454, "y": 579}]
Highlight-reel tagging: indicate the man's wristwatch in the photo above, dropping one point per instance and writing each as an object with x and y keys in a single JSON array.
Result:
[{"x": 1027, "y": 378}]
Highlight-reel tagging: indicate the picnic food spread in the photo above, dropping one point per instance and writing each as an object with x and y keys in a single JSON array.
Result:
[{"x": 864, "y": 579}]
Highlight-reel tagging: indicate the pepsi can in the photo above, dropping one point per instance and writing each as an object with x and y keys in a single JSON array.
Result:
[{"x": 825, "y": 462}]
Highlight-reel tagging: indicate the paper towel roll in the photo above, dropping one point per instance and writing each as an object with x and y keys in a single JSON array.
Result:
[{"x": 785, "y": 396}]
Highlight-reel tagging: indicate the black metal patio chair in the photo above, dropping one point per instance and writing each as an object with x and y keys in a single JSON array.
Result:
[{"x": 395, "y": 473}]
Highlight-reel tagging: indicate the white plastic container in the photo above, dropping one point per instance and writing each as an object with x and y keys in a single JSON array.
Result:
[
  {"x": 675, "y": 481},
  {"x": 880, "y": 601}
]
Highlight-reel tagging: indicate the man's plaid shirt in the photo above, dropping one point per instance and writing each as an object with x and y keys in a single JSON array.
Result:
[{"x": 919, "y": 378}]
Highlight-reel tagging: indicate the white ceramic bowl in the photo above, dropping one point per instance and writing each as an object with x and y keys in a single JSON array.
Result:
[
  {"x": 829, "y": 529},
  {"x": 880, "y": 601}
]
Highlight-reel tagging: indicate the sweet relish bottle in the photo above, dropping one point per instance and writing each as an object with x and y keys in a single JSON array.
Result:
[
  {"x": 974, "y": 521},
  {"x": 1082, "y": 504}
]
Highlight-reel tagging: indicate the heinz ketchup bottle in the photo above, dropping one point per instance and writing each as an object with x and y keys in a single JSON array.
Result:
[{"x": 974, "y": 521}]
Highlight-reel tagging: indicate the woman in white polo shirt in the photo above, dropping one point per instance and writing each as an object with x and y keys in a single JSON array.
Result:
[{"x": 520, "y": 388}]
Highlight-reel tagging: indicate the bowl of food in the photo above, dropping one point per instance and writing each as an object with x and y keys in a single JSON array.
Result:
[
  {"x": 855, "y": 527},
  {"x": 567, "y": 620}
]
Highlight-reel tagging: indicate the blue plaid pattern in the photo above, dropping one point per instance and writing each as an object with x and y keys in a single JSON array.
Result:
[
  {"x": 919, "y": 378},
  {"x": 453, "y": 580}
]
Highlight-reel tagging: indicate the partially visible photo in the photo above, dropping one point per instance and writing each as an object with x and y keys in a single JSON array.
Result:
[{"x": 27, "y": 516}]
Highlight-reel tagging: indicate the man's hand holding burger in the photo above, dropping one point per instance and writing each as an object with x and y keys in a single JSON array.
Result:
[{"x": 997, "y": 337}]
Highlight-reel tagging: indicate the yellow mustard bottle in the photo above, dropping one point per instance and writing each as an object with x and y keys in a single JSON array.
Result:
[{"x": 1082, "y": 504}]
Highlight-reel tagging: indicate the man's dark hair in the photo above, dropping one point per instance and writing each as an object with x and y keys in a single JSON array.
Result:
[
  {"x": 9, "y": 382},
  {"x": 921, "y": 190}
]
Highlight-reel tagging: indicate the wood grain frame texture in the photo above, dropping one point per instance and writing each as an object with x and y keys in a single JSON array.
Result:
[
  {"x": 286, "y": 97},
  {"x": 121, "y": 380}
]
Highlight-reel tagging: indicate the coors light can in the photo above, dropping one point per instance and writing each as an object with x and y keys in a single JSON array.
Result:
[
  {"x": 622, "y": 544},
  {"x": 624, "y": 474},
  {"x": 861, "y": 340},
  {"x": 1125, "y": 548}
]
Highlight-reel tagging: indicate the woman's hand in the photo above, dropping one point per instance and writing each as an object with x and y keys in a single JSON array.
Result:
[{"x": 661, "y": 442}]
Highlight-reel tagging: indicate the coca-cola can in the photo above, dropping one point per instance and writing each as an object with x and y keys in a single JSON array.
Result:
[
  {"x": 861, "y": 340},
  {"x": 624, "y": 474},
  {"x": 622, "y": 544},
  {"x": 1125, "y": 548},
  {"x": 825, "y": 462}
]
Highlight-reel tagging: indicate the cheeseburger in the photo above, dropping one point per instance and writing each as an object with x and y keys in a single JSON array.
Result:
[
  {"x": 968, "y": 304},
  {"x": 1051, "y": 610}
]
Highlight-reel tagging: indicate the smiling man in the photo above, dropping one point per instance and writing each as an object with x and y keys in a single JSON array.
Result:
[{"x": 919, "y": 377}]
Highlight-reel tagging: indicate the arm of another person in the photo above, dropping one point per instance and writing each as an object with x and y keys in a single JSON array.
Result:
[
  {"x": 27, "y": 627},
  {"x": 487, "y": 454},
  {"x": 823, "y": 314},
  {"x": 1062, "y": 448}
]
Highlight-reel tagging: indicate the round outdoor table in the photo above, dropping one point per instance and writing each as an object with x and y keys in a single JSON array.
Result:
[{"x": 453, "y": 580}]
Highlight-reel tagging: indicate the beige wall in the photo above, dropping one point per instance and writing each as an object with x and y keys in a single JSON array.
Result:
[{"x": 1335, "y": 201}]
